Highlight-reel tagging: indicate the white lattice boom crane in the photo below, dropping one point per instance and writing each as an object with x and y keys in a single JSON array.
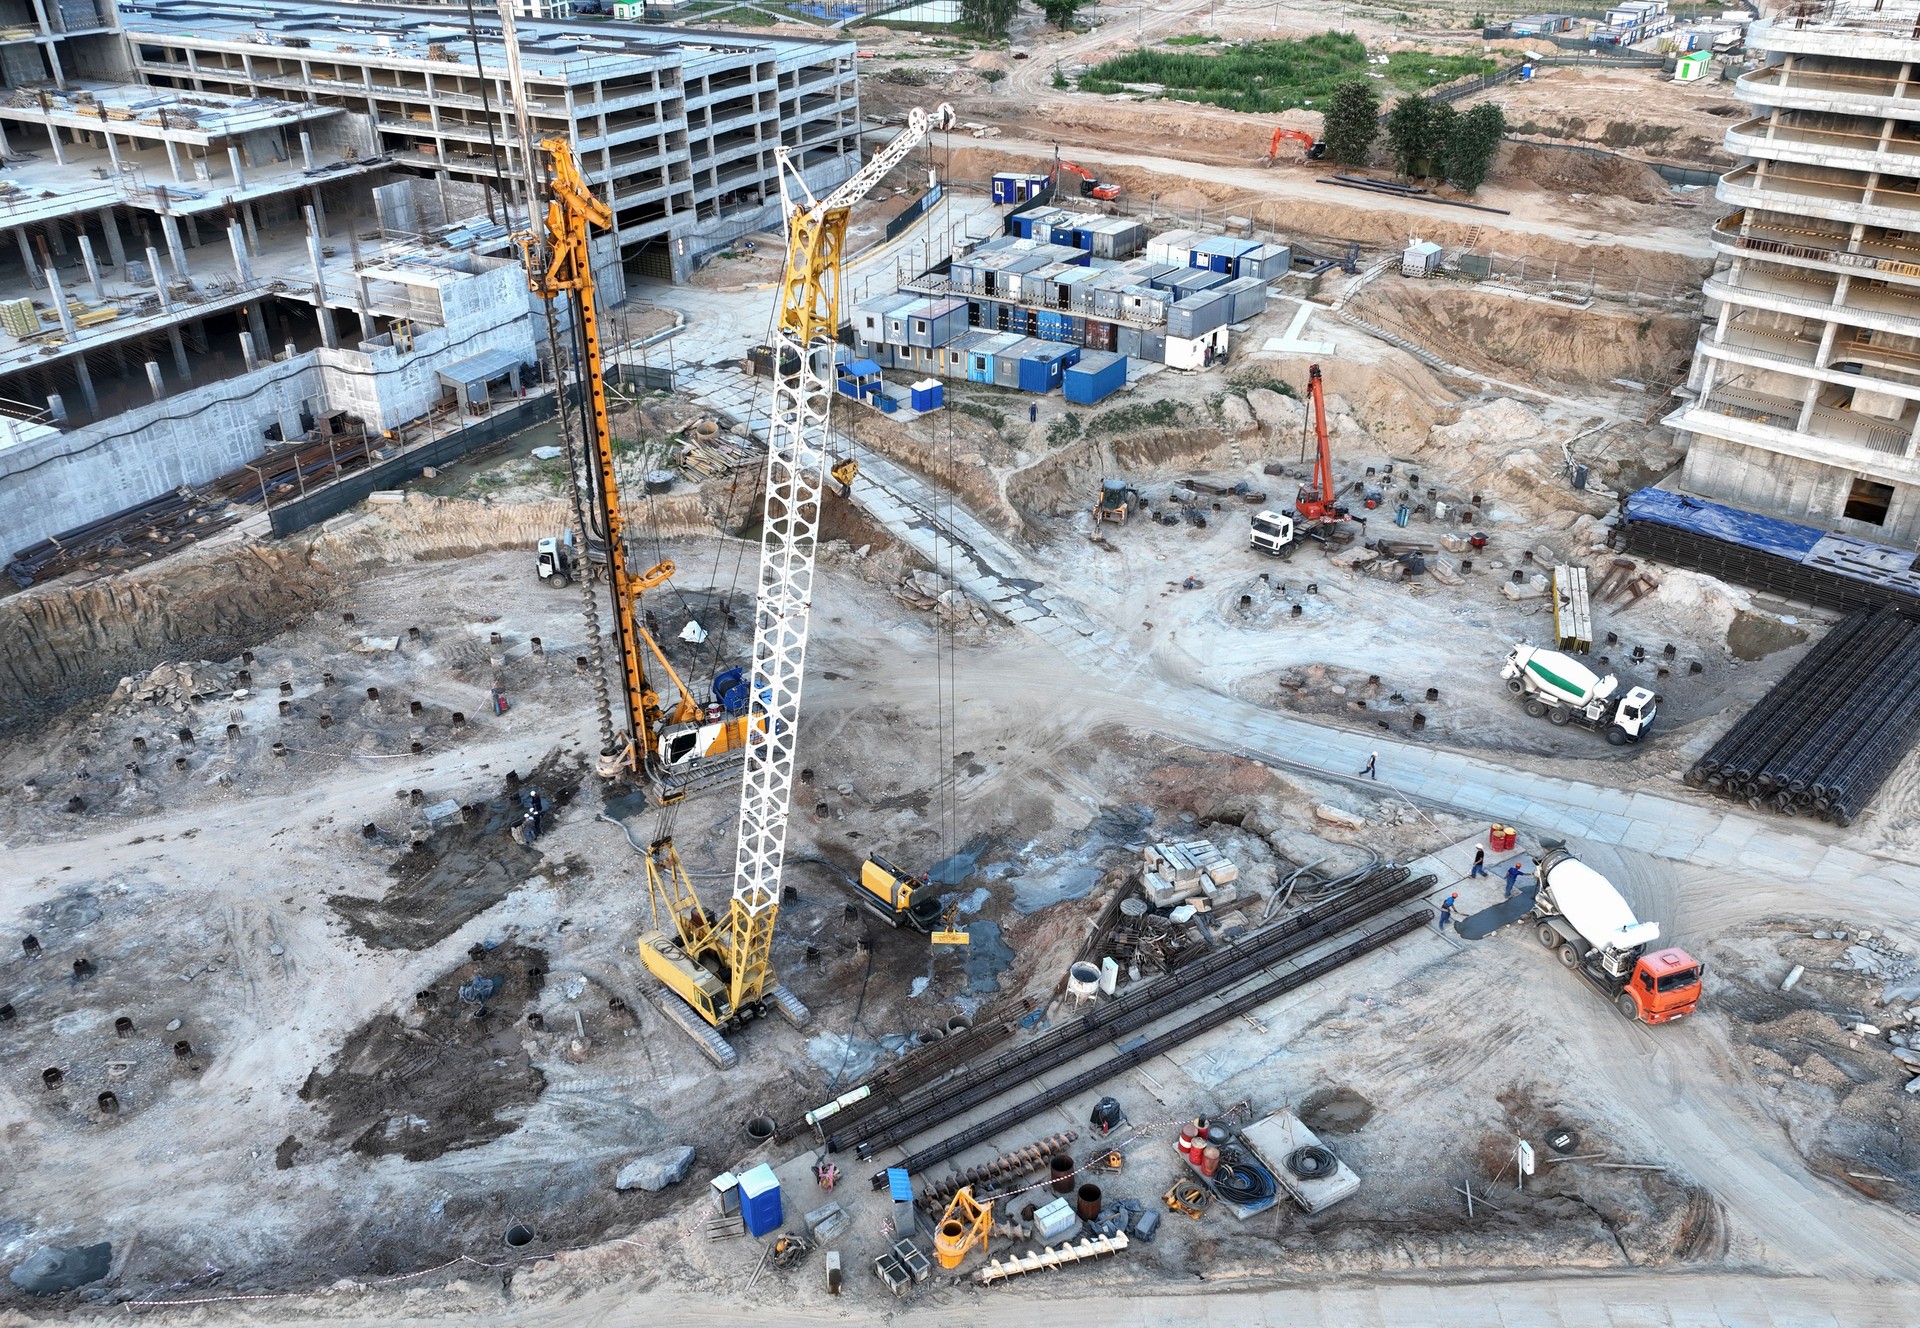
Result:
[{"x": 723, "y": 970}]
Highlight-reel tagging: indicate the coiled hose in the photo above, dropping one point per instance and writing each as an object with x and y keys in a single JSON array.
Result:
[{"x": 1243, "y": 1181}]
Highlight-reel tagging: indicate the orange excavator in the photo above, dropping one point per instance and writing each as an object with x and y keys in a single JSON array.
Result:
[
  {"x": 1089, "y": 186},
  {"x": 1320, "y": 517},
  {"x": 1312, "y": 147}
]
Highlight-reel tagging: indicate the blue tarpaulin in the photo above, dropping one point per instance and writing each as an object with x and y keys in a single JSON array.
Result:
[{"x": 1768, "y": 534}]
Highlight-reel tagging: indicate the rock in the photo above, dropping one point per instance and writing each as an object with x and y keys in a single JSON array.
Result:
[
  {"x": 1352, "y": 557},
  {"x": 173, "y": 1026},
  {"x": 546, "y": 453},
  {"x": 1340, "y": 816},
  {"x": 1272, "y": 409},
  {"x": 656, "y": 1171},
  {"x": 276, "y": 949},
  {"x": 53, "y": 1269},
  {"x": 1237, "y": 416}
]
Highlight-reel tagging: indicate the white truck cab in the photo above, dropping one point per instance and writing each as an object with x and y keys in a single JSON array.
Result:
[{"x": 1272, "y": 532}]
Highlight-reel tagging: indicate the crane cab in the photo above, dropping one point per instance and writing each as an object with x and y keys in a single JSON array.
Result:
[{"x": 899, "y": 898}]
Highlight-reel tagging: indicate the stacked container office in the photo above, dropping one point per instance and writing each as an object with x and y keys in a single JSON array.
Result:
[
  {"x": 931, "y": 322},
  {"x": 1219, "y": 253},
  {"x": 1041, "y": 365},
  {"x": 1266, "y": 262},
  {"x": 1007, "y": 358},
  {"x": 1199, "y": 314},
  {"x": 1174, "y": 247},
  {"x": 1012, "y": 187},
  {"x": 1096, "y": 376},
  {"x": 1247, "y": 297},
  {"x": 983, "y": 357}
]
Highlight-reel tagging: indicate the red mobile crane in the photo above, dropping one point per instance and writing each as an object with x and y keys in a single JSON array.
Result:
[{"x": 1319, "y": 516}]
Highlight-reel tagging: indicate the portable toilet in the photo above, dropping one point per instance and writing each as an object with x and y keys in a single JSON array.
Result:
[
  {"x": 1097, "y": 376},
  {"x": 1042, "y": 365},
  {"x": 927, "y": 394},
  {"x": 760, "y": 1200}
]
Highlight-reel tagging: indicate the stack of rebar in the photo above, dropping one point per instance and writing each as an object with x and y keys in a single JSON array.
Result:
[
  {"x": 1829, "y": 733},
  {"x": 1099, "y": 1025}
]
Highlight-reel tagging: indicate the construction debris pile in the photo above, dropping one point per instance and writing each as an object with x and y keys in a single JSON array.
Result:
[{"x": 1829, "y": 733}]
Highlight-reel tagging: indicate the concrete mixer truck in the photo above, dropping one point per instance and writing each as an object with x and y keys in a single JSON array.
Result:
[
  {"x": 1579, "y": 915},
  {"x": 1566, "y": 692}
]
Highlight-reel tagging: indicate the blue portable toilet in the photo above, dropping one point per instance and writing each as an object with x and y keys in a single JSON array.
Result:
[
  {"x": 760, "y": 1201},
  {"x": 1098, "y": 375},
  {"x": 928, "y": 394}
]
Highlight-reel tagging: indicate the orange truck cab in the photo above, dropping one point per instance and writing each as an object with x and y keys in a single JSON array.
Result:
[{"x": 1664, "y": 985}]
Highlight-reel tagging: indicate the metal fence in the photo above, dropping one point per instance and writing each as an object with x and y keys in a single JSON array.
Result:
[{"x": 913, "y": 211}]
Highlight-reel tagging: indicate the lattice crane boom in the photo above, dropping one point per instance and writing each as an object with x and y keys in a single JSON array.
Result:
[{"x": 798, "y": 430}]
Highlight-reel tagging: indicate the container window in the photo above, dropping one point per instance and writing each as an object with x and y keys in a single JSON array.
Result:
[{"x": 1868, "y": 501}]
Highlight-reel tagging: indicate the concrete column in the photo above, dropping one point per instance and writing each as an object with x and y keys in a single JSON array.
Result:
[
  {"x": 1726, "y": 317},
  {"x": 191, "y": 225},
  {"x": 57, "y": 238},
  {"x": 56, "y": 408},
  {"x": 1900, "y": 84},
  {"x": 306, "y": 150},
  {"x": 26, "y": 251},
  {"x": 1854, "y": 236},
  {"x": 1708, "y": 374},
  {"x": 155, "y": 381},
  {"x": 1826, "y": 345},
  {"x": 329, "y": 336},
  {"x": 93, "y": 268},
  {"x": 1873, "y": 183},
  {"x": 317, "y": 212},
  {"x": 113, "y": 150},
  {"x": 1773, "y": 123},
  {"x": 241, "y": 268},
  {"x": 170, "y": 225},
  {"x": 159, "y": 278},
  {"x": 5, "y": 149},
  {"x": 53, "y": 137},
  {"x": 1807, "y": 403},
  {"x": 239, "y": 171},
  {"x": 53, "y": 67},
  {"x": 1841, "y": 285},
  {"x": 1886, "y": 134},
  {"x": 257, "y": 322},
  {"x": 86, "y": 383},
  {"x": 248, "y": 353},
  {"x": 180, "y": 364},
  {"x": 173, "y": 160},
  {"x": 111, "y": 229},
  {"x": 59, "y": 296},
  {"x": 252, "y": 222}
]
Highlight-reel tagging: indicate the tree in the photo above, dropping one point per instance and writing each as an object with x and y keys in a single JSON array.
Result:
[
  {"x": 1471, "y": 147},
  {"x": 988, "y": 16},
  {"x": 1443, "y": 126},
  {"x": 1352, "y": 122},
  {"x": 1410, "y": 133},
  {"x": 1060, "y": 12}
]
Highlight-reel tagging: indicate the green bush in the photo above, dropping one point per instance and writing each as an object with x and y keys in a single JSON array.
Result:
[
  {"x": 1163, "y": 414},
  {"x": 1273, "y": 76}
]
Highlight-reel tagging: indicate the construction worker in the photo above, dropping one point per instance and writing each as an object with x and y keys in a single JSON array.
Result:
[
  {"x": 1446, "y": 909},
  {"x": 1372, "y": 768},
  {"x": 1033, "y": 412},
  {"x": 1479, "y": 863},
  {"x": 1514, "y": 873},
  {"x": 535, "y": 810}
]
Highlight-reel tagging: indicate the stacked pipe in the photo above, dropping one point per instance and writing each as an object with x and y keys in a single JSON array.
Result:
[
  {"x": 1110, "y": 1016},
  {"x": 1008, "y": 1166},
  {"x": 1829, "y": 733},
  {"x": 1139, "y": 1006}
]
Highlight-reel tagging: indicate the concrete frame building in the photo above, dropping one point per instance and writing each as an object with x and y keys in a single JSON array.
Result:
[
  {"x": 680, "y": 126},
  {"x": 226, "y": 224},
  {"x": 1806, "y": 380}
]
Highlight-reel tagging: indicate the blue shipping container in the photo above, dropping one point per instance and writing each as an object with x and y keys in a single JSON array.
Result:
[
  {"x": 1041, "y": 367},
  {"x": 760, "y": 1201},
  {"x": 1098, "y": 375}
]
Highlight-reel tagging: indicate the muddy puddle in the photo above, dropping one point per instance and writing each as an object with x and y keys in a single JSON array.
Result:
[
  {"x": 1755, "y": 636},
  {"x": 464, "y": 867},
  {"x": 452, "y": 1073}
]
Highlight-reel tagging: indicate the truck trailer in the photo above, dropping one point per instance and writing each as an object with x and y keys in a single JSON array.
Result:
[{"x": 1580, "y": 916}]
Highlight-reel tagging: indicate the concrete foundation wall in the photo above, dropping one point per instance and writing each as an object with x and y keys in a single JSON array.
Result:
[
  {"x": 1793, "y": 487},
  {"x": 79, "y": 476}
]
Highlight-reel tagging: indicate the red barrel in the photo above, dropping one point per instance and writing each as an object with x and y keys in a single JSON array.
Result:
[
  {"x": 1209, "y": 1160},
  {"x": 1185, "y": 1145}
]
